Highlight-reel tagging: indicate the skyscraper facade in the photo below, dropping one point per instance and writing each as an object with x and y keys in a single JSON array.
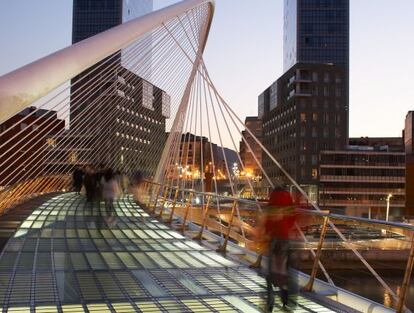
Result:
[
  {"x": 316, "y": 31},
  {"x": 91, "y": 17},
  {"x": 306, "y": 109}
]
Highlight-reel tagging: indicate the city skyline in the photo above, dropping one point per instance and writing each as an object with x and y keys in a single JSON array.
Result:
[{"x": 379, "y": 72}]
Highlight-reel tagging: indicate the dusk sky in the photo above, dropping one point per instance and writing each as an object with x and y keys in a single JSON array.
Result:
[{"x": 244, "y": 52}]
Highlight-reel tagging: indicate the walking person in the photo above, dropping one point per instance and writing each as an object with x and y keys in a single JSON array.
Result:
[
  {"x": 110, "y": 192},
  {"x": 277, "y": 225},
  {"x": 77, "y": 180}
]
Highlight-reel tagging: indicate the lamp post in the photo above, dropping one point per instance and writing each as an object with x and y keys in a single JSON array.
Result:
[{"x": 388, "y": 207}]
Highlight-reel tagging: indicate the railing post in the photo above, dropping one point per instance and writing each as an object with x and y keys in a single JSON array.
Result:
[
  {"x": 156, "y": 198},
  {"x": 163, "y": 200},
  {"x": 173, "y": 205},
  {"x": 407, "y": 276},
  {"x": 203, "y": 225},
  {"x": 146, "y": 192},
  {"x": 223, "y": 247},
  {"x": 187, "y": 208},
  {"x": 315, "y": 266},
  {"x": 258, "y": 262}
]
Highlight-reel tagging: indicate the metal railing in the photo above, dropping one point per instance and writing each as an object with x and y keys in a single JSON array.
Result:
[{"x": 235, "y": 219}]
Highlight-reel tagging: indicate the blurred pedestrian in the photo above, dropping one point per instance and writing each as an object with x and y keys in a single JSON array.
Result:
[
  {"x": 276, "y": 225},
  {"x": 77, "y": 179},
  {"x": 110, "y": 192},
  {"x": 89, "y": 183}
]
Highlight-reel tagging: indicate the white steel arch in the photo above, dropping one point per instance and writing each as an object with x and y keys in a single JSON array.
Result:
[{"x": 21, "y": 87}]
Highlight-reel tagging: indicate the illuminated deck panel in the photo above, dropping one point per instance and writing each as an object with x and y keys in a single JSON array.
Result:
[{"x": 65, "y": 258}]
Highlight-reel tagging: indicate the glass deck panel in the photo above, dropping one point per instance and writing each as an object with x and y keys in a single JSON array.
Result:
[{"x": 78, "y": 263}]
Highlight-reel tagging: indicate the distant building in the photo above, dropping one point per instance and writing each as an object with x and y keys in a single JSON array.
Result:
[
  {"x": 357, "y": 180},
  {"x": 133, "y": 136},
  {"x": 409, "y": 162},
  {"x": 304, "y": 111},
  {"x": 24, "y": 137},
  {"x": 252, "y": 158},
  {"x": 195, "y": 159},
  {"x": 129, "y": 126}
]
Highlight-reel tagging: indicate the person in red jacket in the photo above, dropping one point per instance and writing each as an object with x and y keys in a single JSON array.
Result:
[{"x": 278, "y": 225}]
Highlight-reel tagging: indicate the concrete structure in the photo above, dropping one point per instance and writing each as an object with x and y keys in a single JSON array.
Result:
[
  {"x": 23, "y": 163},
  {"x": 358, "y": 180},
  {"x": 251, "y": 158}
]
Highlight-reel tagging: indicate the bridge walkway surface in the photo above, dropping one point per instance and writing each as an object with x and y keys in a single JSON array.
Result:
[{"x": 68, "y": 256}]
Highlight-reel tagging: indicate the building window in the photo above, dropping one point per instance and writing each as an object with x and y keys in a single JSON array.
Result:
[
  {"x": 326, "y": 91},
  {"x": 314, "y": 159},
  {"x": 303, "y": 117},
  {"x": 326, "y": 78},
  {"x": 73, "y": 157},
  {"x": 315, "y": 76},
  {"x": 302, "y": 131},
  {"x": 303, "y": 103},
  {"x": 337, "y": 133},
  {"x": 166, "y": 104},
  {"x": 303, "y": 172},
  {"x": 337, "y": 119},
  {"x": 314, "y": 132},
  {"x": 302, "y": 145},
  {"x": 315, "y": 117},
  {"x": 302, "y": 159},
  {"x": 338, "y": 92},
  {"x": 326, "y": 118},
  {"x": 147, "y": 95},
  {"x": 338, "y": 79},
  {"x": 314, "y": 173},
  {"x": 51, "y": 142}
]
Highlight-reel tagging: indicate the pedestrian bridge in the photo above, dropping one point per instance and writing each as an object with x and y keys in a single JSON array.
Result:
[
  {"x": 65, "y": 257},
  {"x": 139, "y": 97}
]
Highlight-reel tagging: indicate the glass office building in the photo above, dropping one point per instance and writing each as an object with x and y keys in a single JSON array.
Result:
[
  {"x": 316, "y": 31},
  {"x": 91, "y": 17}
]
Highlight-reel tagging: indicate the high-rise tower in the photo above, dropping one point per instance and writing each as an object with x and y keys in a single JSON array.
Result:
[
  {"x": 316, "y": 31},
  {"x": 306, "y": 109}
]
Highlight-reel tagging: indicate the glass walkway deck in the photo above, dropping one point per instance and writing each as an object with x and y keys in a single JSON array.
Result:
[{"x": 65, "y": 258}]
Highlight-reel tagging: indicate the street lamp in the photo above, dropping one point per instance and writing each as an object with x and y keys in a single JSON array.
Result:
[{"x": 388, "y": 206}]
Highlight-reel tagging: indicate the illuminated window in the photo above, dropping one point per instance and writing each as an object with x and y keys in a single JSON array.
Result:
[
  {"x": 147, "y": 95},
  {"x": 314, "y": 173},
  {"x": 51, "y": 142},
  {"x": 303, "y": 117},
  {"x": 73, "y": 157}
]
